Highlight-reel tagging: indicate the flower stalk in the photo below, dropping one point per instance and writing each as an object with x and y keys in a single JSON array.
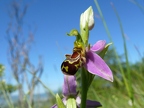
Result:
[{"x": 84, "y": 87}]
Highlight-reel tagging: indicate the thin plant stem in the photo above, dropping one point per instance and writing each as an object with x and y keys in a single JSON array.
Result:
[
  {"x": 9, "y": 98},
  {"x": 84, "y": 88},
  {"x": 139, "y": 5},
  {"x": 6, "y": 96},
  {"x": 126, "y": 56},
  {"x": 42, "y": 83},
  {"x": 110, "y": 38},
  {"x": 25, "y": 98}
]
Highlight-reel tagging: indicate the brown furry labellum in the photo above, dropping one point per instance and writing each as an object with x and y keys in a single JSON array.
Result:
[{"x": 72, "y": 62}]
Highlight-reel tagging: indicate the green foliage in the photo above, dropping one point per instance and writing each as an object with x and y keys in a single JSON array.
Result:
[
  {"x": 59, "y": 102},
  {"x": 114, "y": 95},
  {"x": 7, "y": 87},
  {"x": 4, "y": 86},
  {"x": 1, "y": 70}
]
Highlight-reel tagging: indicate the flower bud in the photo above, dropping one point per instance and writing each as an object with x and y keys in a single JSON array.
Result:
[{"x": 87, "y": 18}]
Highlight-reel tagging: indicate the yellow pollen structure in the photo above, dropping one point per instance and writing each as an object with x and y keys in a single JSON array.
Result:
[{"x": 65, "y": 67}]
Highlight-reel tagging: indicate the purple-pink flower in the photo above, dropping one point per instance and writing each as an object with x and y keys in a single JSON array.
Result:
[
  {"x": 95, "y": 64},
  {"x": 69, "y": 90}
]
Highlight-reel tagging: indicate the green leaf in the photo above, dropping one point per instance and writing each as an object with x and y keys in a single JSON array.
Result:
[
  {"x": 59, "y": 102},
  {"x": 104, "y": 51},
  {"x": 78, "y": 42},
  {"x": 71, "y": 103},
  {"x": 74, "y": 32}
]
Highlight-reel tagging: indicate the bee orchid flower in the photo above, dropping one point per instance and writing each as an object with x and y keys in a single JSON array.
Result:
[
  {"x": 93, "y": 63},
  {"x": 88, "y": 59}
]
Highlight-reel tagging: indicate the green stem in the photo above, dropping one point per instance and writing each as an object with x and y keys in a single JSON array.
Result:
[
  {"x": 84, "y": 88},
  {"x": 4, "y": 91},
  {"x": 110, "y": 38},
  {"x": 130, "y": 90},
  {"x": 48, "y": 89}
]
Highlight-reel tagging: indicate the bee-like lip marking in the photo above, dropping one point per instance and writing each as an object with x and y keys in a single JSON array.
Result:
[{"x": 72, "y": 62}]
